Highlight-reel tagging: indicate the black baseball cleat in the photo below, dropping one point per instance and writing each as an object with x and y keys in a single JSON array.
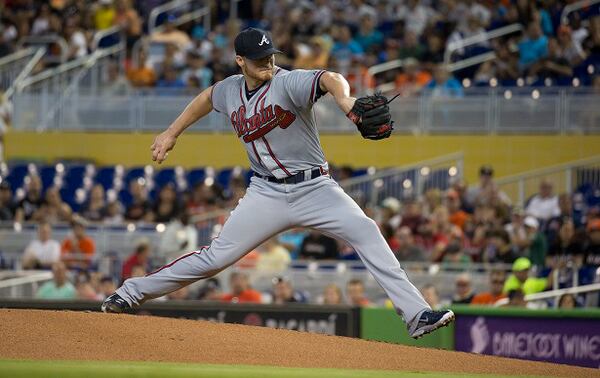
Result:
[
  {"x": 115, "y": 304},
  {"x": 429, "y": 321}
]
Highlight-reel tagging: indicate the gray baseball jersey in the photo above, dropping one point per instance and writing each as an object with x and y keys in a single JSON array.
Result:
[
  {"x": 277, "y": 127},
  {"x": 277, "y": 124}
]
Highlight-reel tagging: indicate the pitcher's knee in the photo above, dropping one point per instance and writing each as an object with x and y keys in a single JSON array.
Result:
[{"x": 362, "y": 228}]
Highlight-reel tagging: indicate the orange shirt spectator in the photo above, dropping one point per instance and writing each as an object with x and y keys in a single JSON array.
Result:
[
  {"x": 141, "y": 76},
  {"x": 78, "y": 249},
  {"x": 246, "y": 296},
  {"x": 486, "y": 299}
]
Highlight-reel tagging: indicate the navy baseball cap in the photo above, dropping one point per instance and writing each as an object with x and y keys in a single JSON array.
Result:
[{"x": 254, "y": 44}]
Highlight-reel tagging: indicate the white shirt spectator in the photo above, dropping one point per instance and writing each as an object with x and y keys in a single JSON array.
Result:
[
  {"x": 79, "y": 43},
  {"x": 45, "y": 252},
  {"x": 416, "y": 18},
  {"x": 543, "y": 208}
]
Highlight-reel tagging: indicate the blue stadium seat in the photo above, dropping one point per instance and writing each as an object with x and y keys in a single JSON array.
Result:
[
  {"x": 67, "y": 193},
  {"x": 223, "y": 177},
  {"x": 105, "y": 177},
  {"x": 133, "y": 174},
  {"x": 74, "y": 176},
  {"x": 47, "y": 175},
  {"x": 164, "y": 176},
  {"x": 195, "y": 176},
  {"x": 125, "y": 197},
  {"x": 16, "y": 175}
]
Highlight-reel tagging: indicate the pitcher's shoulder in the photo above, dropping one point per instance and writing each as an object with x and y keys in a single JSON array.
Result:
[{"x": 231, "y": 80}]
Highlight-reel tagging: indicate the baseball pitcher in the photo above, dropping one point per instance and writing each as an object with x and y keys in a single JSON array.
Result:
[{"x": 271, "y": 111}]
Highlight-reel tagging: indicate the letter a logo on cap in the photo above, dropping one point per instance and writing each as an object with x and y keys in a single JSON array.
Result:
[{"x": 264, "y": 40}]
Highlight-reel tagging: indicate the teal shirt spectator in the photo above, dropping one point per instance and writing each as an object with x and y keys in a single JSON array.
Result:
[
  {"x": 344, "y": 52},
  {"x": 367, "y": 41},
  {"x": 532, "y": 50},
  {"x": 49, "y": 290},
  {"x": 449, "y": 88},
  {"x": 546, "y": 23}
]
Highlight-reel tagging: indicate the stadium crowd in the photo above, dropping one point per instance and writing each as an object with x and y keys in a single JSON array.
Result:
[
  {"x": 454, "y": 228},
  {"x": 348, "y": 36}
]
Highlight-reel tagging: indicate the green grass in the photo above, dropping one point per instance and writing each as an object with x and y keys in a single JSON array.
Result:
[{"x": 92, "y": 369}]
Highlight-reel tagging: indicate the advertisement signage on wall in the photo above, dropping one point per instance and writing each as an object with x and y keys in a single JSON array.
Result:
[
  {"x": 330, "y": 320},
  {"x": 573, "y": 341}
]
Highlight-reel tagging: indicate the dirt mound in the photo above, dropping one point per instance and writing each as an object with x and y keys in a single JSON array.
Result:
[{"x": 65, "y": 335}]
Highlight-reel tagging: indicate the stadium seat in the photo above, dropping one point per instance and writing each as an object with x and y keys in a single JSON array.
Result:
[
  {"x": 74, "y": 176},
  {"x": 47, "y": 174},
  {"x": 164, "y": 176},
  {"x": 133, "y": 174},
  {"x": 223, "y": 177},
  {"x": 16, "y": 175},
  {"x": 195, "y": 176},
  {"x": 105, "y": 177}
]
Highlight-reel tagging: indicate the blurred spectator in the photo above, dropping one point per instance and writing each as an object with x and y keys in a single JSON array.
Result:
[
  {"x": 129, "y": 20},
  {"x": 273, "y": 258},
  {"x": 241, "y": 292},
  {"x": 314, "y": 55},
  {"x": 178, "y": 238},
  {"x": 346, "y": 50},
  {"x": 499, "y": 248},
  {"x": 107, "y": 286},
  {"x": 487, "y": 192},
  {"x": 104, "y": 16},
  {"x": 95, "y": 207},
  {"x": 554, "y": 66},
  {"x": 332, "y": 295},
  {"x": 591, "y": 248},
  {"x": 355, "y": 293},
  {"x": 368, "y": 37},
  {"x": 544, "y": 205},
  {"x": 59, "y": 287},
  {"x": 140, "y": 207},
  {"x": 317, "y": 246},
  {"x": 410, "y": 47},
  {"x": 7, "y": 206},
  {"x": 211, "y": 291},
  {"x": 407, "y": 249},
  {"x": 143, "y": 75},
  {"x": 42, "y": 252},
  {"x": 78, "y": 248},
  {"x": 516, "y": 298},
  {"x": 566, "y": 245},
  {"x": 170, "y": 79},
  {"x": 415, "y": 16},
  {"x": 464, "y": 293},
  {"x": 457, "y": 216},
  {"x": 444, "y": 84},
  {"x": 54, "y": 209},
  {"x": 412, "y": 79},
  {"x": 140, "y": 257},
  {"x": 516, "y": 230},
  {"x": 571, "y": 50},
  {"x": 86, "y": 291},
  {"x": 567, "y": 302},
  {"x": 78, "y": 46},
  {"x": 431, "y": 296},
  {"x": 455, "y": 257},
  {"x": 533, "y": 47},
  {"x": 283, "y": 292},
  {"x": 29, "y": 205},
  {"x": 412, "y": 216},
  {"x": 196, "y": 69},
  {"x": 390, "y": 212},
  {"x": 537, "y": 245},
  {"x": 114, "y": 213},
  {"x": 167, "y": 206},
  {"x": 440, "y": 233},
  {"x": 434, "y": 54},
  {"x": 489, "y": 298},
  {"x": 170, "y": 34},
  {"x": 520, "y": 280}
]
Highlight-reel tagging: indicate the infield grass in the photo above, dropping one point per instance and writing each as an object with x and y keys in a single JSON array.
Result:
[{"x": 110, "y": 369}]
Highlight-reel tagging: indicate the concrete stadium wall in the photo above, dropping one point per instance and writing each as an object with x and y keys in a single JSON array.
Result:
[{"x": 509, "y": 154}]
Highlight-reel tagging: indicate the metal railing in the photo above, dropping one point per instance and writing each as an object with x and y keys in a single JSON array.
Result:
[
  {"x": 25, "y": 72},
  {"x": 566, "y": 178},
  {"x": 570, "y": 8},
  {"x": 478, "y": 111},
  {"x": 555, "y": 294},
  {"x": 48, "y": 40},
  {"x": 189, "y": 15},
  {"x": 25, "y": 284},
  {"x": 12, "y": 65},
  {"x": 409, "y": 181},
  {"x": 479, "y": 38}
]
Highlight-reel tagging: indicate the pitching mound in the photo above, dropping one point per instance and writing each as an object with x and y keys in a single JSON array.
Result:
[{"x": 65, "y": 335}]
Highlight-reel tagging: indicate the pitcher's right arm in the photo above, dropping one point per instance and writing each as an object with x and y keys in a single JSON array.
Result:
[{"x": 200, "y": 106}]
